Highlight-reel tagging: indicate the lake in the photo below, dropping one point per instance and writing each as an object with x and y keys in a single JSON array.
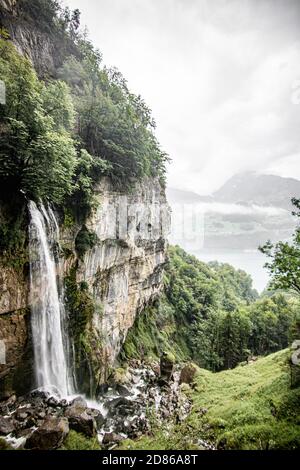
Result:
[{"x": 251, "y": 261}]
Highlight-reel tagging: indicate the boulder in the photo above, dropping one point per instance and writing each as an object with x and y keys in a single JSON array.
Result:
[
  {"x": 111, "y": 438},
  {"x": 102, "y": 389},
  {"x": 187, "y": 375},
  {"x": 120, "y": 376},
  {"x": 39, "y": 393},
  {"x": 167, "y": 362},
  {"x": 98, "y": 417},
  {"x": 295, "y": 364},
  {"x": 79, "y": 401},
  {"x": 122, "y": 390},
  {"x": 53, "y": 402},
  {"x": 80, "y": 420},
  {"x": 6, "y": 426},
  {"x": 50, "y": 435},
  {"x": 296, "y": 344}
]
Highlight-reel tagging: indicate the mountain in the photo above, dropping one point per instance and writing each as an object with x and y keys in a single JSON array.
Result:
[
  {"x": 180, "y": 196},
  {"x": 227, "y": 220},
  {"x": 264, "y": 190}
]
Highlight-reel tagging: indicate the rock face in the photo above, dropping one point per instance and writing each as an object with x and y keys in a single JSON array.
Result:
[
  {"x": 122, "y": 272},
  {"x": 45, "y": 47}
]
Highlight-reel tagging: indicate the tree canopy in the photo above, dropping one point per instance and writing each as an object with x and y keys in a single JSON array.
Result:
[{"x": 284, "y": 259}]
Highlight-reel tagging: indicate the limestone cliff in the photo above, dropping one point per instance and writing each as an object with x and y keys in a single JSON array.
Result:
[
  {"x": 122, "y": 272},
  {"x": 108, "y": 284}
]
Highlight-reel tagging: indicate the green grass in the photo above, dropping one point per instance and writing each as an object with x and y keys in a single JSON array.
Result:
[
  {"x": 249, "y": 407},
  {"x": 77, "y": 441}
]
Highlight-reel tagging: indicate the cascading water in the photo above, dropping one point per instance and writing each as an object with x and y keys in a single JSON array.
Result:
[{"x": 48, "y": 317}]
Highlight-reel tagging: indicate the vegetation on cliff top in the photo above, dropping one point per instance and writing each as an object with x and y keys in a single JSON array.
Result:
[{"x": 59, "y": 136}]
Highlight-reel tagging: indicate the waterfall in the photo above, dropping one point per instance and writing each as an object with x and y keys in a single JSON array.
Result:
[{"x": 48, "y": 316}]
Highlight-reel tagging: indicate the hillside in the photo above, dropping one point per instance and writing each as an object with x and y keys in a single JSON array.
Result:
[{"x": 250, "y": 407}]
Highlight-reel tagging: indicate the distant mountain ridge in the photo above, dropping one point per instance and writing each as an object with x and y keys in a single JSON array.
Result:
[
  {"x": 247, "y": 189},
  {"x": 263, "y": 190}
]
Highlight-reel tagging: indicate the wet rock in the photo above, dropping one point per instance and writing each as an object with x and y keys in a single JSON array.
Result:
[
  {"x": 122, "y": 390},
  {"x": 42, "y": 415},
  {"x": 122, "y": 407},
  {"x": 6, "y": 426},
  {"x": 80, "y": 420},
  {"x": 167, "y": 362},
  {"x": 117, "y": 402},
  {"x": 79, "y": 401},
  {"x": 155, "y": 368},
  {"x": 111, "y": 438},
  {"x": 39, "y": 394},
  {"x": 50, "y": 435},
  {"x": 163, "y": 383},
  {"x": 53, "y": 402},
  {"x": 98, "y": 417},
  {"x": 102, "y": 390},
  {"x": 8, "y": 405},
  {"x": 121, "y": 376},
  {"x": 187, "y": 375},
  {"x": 21, "y": 415}
]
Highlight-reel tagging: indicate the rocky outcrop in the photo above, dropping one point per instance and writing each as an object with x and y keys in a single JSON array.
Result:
[
  {"x": 16, "y": 357},
  {"x": 167, "y": 362},
  {"x": 122, "y": 273},
  {"x": 124, "y": 270},
  {"x": 44, "y": 44},
  {"x": 188, "y": 373},
  {"x": 41, "y": 421}
]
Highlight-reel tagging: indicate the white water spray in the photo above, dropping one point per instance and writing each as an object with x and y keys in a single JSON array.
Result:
[{"x": 48, "y": 317}]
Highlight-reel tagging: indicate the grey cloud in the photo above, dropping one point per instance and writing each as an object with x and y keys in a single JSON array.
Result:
[{"x": 218, "y": 76}]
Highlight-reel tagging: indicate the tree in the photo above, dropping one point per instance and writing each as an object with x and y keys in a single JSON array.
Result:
[
  {"x": 114, "y": 124},
  {"x": 284, "y": 264},
  {"x": 37, "y": 153}
]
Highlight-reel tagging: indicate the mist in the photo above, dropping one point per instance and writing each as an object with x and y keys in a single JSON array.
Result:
[{"x": 222, "y": 79}]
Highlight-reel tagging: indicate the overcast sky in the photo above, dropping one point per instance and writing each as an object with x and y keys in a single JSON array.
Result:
[{"x": 221, "y": 76}]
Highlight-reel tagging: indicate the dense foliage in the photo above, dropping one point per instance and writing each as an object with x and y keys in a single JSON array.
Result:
[
  {"x": 284, "y": 264},
  {"x": 58, "y": 137},
  {"x": 113, "y": 123},
  {"x": 37, "y": 153},
  {"x": 212, "y": 315}
]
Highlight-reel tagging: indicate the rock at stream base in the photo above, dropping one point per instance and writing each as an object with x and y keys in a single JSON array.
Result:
[
  {"x": 50, "y": 435},
  {"x": 122, "y": 390},
  {"x": 187, "y": 375},
  {"x": 79, "y": 402},
  {"x": 80, "y": 420},
  {"x": 167, "y": 362},
  {"x": 6, "y": 426},
  {"x": 111, "y": 438}
]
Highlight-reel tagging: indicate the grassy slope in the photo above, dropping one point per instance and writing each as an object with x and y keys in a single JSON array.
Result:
[{"x": 250, "y": 407}]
